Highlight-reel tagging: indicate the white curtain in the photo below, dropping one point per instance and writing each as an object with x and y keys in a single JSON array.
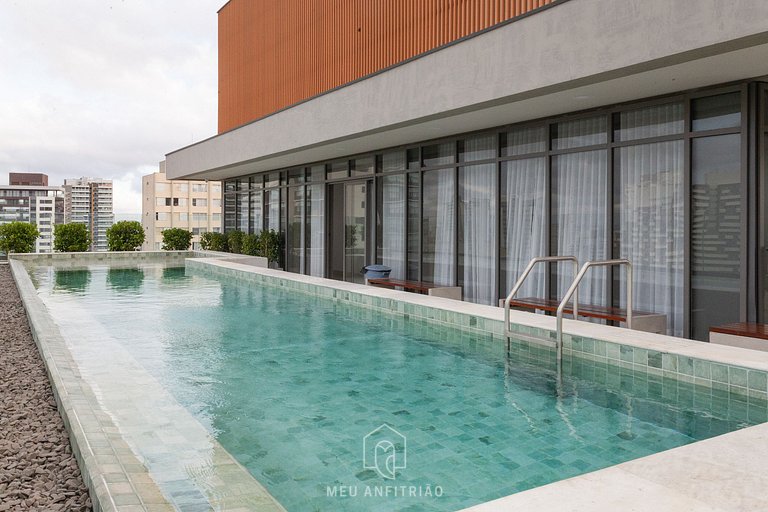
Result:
[
  {"x": 524, "y": 189},
  {"x": 477, "y": 196},
  {"x": 257, "y": 211},
  {"x": 651, "y": 227},
  {"x": 393, "y": 224},
  {"x": 523, "y": 141},
  {"x": 316, "y": 221},
  {"x": 438, "y": 226},
  {"x": 653, "y": 121},
  {"x": 274, "y": 209},
  {"x": 579, "y": 208}
]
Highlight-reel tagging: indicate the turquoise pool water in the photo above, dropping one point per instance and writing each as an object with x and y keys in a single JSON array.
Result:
[{"x": 291, "y": 385}]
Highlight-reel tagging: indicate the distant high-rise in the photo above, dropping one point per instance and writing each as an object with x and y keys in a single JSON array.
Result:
[
  {"x": 28, "y": 198},
  {"x": 89, "y": 201},
  {"x": 187, "y": 204}
]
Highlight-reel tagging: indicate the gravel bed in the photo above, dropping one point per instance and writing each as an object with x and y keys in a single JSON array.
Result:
[{"x": 37, "y": 468}]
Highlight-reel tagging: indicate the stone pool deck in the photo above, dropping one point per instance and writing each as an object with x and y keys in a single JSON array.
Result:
[{"x": 38, "y": 470}]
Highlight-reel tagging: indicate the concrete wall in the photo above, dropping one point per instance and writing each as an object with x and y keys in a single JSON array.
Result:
[{"x": 578, "y": 55}]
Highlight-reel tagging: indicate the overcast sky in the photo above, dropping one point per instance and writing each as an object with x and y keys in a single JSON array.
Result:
[{"x": 104, "y": 88}]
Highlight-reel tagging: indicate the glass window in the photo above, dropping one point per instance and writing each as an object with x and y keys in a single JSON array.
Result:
[
  {"x": 414, "y": 161},
  {"x": 215, "y": 189},
  {"x": 199, "y": 187},
  {"x": 713, "y": 112},
  {"x": 243, "y": 202},
  {"x": 295, "y": 232},
  {"x": 199, "y": 202},
  {"x": 161, "y": 201},
  {"x": 523, "y": 224},
  {"x": 316, "y": 228},
  {"x": 579, "y": 220},
  {"x": 337, "y": 170},
  {"x": 393, "y": 161},
  {"x": 481, "y": 147},
  {"x": 524, "y": 141},
  {"x": 363, "y": 166},
  {"x": 257, "y": 212},
  {"x": 203, "y": 217},
  {"x": 162, "y": 189},
  {"x": 391, "y": 224},
  {"x": 272, "y": 180},
  {"x": 296, "y": 176},
  {"x": 215, "y": 217},
  {"x": 438, "y": 227},
  {"x": 655, "y": 121},
  {"x": 649, "y": 227},
  {"x": 414, "y": 226},
  {"x": 183, "y": 188},
  {"x": 438, "y": 154},
  {"x": 257, "y": 182},
  {"x": 216, "y": 203},
  {"x": 580, "y": 132},
  {"x": 272, "y": 211},
  {"x": 184, "y": 217},
  {"x": 477, "y": 232},
  {"x": 230, "y": 186},
  {"x": 716, "y": 206},
  {"x": 162, "y": 216},
  {"x": 316, "y": 173}
]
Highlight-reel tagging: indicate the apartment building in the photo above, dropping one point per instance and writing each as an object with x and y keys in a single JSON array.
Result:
[
  {"x": 187, "y": 204},
  {"x": 28, "y": 198},
  {"x": 90, "y": 201},
  {"x": 458, "y": 140}
]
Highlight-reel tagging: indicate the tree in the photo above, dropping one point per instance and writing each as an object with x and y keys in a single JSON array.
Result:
[
  {"x": 235, "y": 241},
  {"x": 176, "y": 239},
  {"x": 18, "y": 237},
  {"x": 72, "y": 237},
  {"x": 126, "y": 235}
]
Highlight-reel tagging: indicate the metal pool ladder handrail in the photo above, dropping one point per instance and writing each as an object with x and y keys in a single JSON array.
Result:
[
  {"x": 524, "y": 276},
  {"x": 573, "y": 290}
]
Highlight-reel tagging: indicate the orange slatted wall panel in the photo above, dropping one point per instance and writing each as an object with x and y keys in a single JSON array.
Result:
[{"x": 274, "y": 53}]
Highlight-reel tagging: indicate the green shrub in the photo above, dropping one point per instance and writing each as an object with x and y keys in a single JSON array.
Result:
[
  {"x": 18, "y": 237},
  {"x": 235, "y": 241},
  {"x": 251, "y": 245},
  {"x": 271, "y": 245},
  {"x": 126, "y": 235},
  {"x": 71, "y": 237},
  {"x": 211, "y": 241},
  {"x": 176, "y": 239}
]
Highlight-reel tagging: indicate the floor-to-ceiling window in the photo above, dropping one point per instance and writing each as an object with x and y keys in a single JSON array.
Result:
[{"x": 660, "y": 182}]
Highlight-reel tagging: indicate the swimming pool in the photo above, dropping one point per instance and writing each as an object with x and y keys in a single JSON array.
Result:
[{"x": 291, "y": 384}]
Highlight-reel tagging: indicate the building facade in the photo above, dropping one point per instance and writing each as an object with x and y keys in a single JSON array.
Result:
[
  {"x": 191, "y": 205},
  {"x": 27, "y": 200},
  {"x": 592, "y": 128},
  {"x": 89, "y": 201}
]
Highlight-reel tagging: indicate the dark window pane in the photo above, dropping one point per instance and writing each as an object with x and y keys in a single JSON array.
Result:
[
  {"x": 393, "y": 161},
  {"x": 337, "y": 170},
  {"x": 414, "y": 226},
  {"x": 579, "y": 133},
  {"x": 257, "y": 182},
  {"x": 296, "y": 176},
  {"x": 316, "y": 173},
  {"x": 230, "y": 211},
  {"x": 230, "y": 186},
  {"x": 524, "y": 141},
  {"x": 655, "y": 121},
  {"x": 716, "y": 205},
  {"x": 713, "y": 112},
  {"x": 414, "y": 161},
  {"x": 438, "y": 154},
  {"x": 482, "y": 147},
  {"x": 272, "y": 179},
  {"x": 363, "y": 166}
]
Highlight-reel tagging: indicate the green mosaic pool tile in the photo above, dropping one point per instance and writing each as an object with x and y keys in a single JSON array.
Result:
[
  {"x": 685, "y": 365},
  {"x": 612, "y": 351},
  {"x": 757, "y": 380},
  {"x": 737, "y": 376},
  {"x": 669, "y": 362},
  {"x": 703, "y": 381},
  {"x": 627, "y": 353},
  {"x": 640, "y": 356},
  {"x": 655, "y": 359},
  {"x": 719, "y": 372}
]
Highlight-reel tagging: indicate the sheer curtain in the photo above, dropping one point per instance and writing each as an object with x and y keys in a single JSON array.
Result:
[
  {"x": 523, "y": 203},
  {"x": 477, "y": 206},
  {"x": 445, "y": 248},
  {"x": 393, "y": 224},
  {"x": 579, "y": 223},
  {"x": 316, "y": 227},
  {"x": 651, "y": 227}
]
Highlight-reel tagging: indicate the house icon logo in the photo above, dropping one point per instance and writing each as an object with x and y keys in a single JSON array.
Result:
[{"x": 384, "y": 450}]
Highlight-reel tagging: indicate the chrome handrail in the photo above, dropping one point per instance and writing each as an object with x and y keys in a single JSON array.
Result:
[
  {"x": 573, "y": 291},
  {"x": 524, "y": 276}
]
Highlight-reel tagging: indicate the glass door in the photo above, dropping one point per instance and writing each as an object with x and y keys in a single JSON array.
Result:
[{"x": 348, "y": 233}]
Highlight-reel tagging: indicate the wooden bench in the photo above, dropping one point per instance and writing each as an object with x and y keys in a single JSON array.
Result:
[
  {"x": 448, "y": 292},
  {"x": 741, "y": 334},
  {"x": 641, "y": 320}
]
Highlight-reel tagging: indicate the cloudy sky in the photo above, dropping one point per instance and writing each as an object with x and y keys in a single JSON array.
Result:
[{"x": 104, "y": 88}]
